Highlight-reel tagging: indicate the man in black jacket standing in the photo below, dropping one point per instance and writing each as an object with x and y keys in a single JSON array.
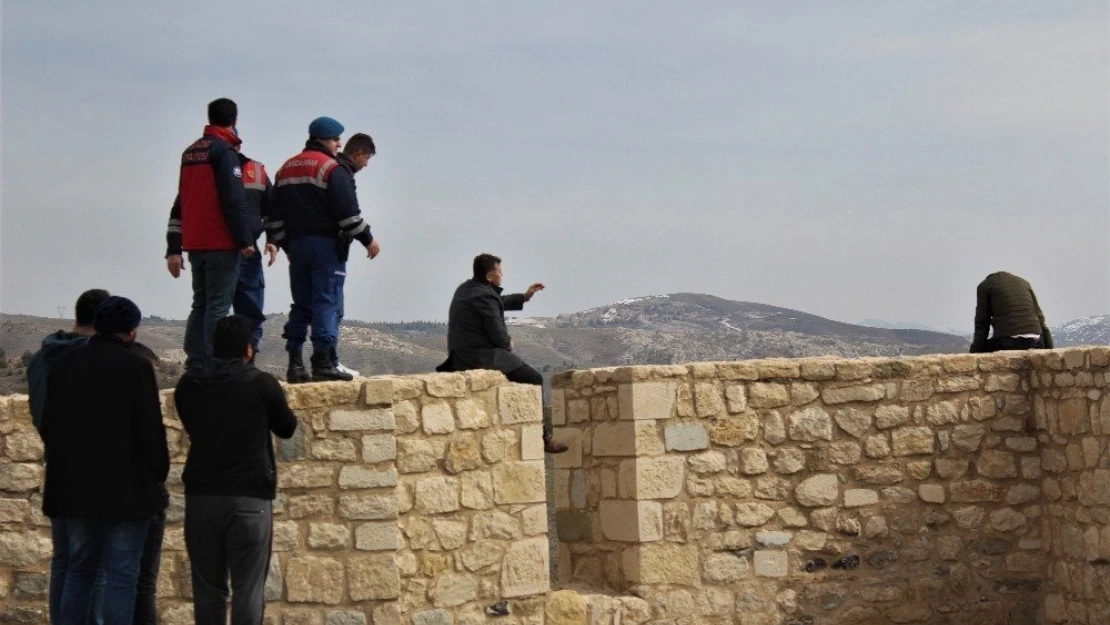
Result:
[
  {"x": 106, "y": 457},
  {"x": 229, "y": 410},
  {"x": 477, "y": 337}
]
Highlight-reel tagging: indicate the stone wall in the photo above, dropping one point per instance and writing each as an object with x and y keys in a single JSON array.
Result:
[
  {"x": 401, "y": 500},
  {"x": 940, "y": 490},
  {"x": 1072, "y": 408},
  {"x": 838, "y": 491}
]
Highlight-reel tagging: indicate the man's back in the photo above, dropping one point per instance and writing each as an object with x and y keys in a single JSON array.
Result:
[
  {"x": 1007, "y": 303},
  {"x": 229, "y": 411},
  {"x": 477, "y": 336},
  {"x": 106, "y": 448}
]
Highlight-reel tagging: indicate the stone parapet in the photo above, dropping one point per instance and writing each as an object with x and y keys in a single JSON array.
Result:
[
  {"x": 877, "y": 490},
  {"x": 400, "y": 500}
]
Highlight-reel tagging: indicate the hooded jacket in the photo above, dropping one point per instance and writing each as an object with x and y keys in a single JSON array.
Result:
[
  {"x": 1007, "y": 303},
  {"x": 38, "y": 369},
  {"x": 229, "y": 410}
]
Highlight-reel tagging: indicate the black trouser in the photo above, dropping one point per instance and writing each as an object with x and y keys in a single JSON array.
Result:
[
  {"x": 525, "y": 375},
  {"x": 1008, "y": 343},
  {"x": 228, "y": 534}
]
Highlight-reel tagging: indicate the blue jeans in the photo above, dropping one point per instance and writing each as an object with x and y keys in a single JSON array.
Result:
[
  {"x": 112, "y": 548},
  {"x": 59, "y": 566},
  {"x": 146, "y": 612},
  {"x": 316, "y": 277},
  {"x": 250, "y": 292},
  {"x": 215, "y": 274}
]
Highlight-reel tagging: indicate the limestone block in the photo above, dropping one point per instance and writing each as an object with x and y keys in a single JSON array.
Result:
[
  {"x": 818, "y": 370},
  {"x": 471, "y": 414},
  {"x": 631, "y": 521},
  {"x": 373, "y": 577},
  {"x": 346, "y": 618},
  {"x": 626, "y": 438},
  {"x": 724, "y": 567},
  {"x": 809, "y": 425},
  {"x": 773, "y": 539},
  {"x": 362, "y": 506},
  {"x": 1094, "y": 487},
  {"x": 328, "y": 536},
  {"x": 661, "y": 563},
  {"x": 496, "y": 445},
  {"x": 857, "y": 497},
  {"x": 406, "y": 418},
  {"x": 24, "y": 445},
  {"x": 968, "y": 437},
  {"x": 973, "y": 491},
  {"x": 289, "y": 476},
  {"x": 735, "y": 431},
  {"x": 651, "y": 478},
  {"x": 957, "y": 384},
  {"x": 727, "y": 486},
  {"x": 519, "y": 482},
  {"x": 707, "y": 462},
  {"x": 768, "y": 395},
  {"x": 844, "y": 452},
  {"x": 476, "y": 490},
  {"x": 1006, "y": 520},
  {"x": 771, "y": 563},
  {"x": 951, "y": 468},
  {"x": 845, "y": 394},
  {"x": 818, "y": 491},
  {"x": 334, "y": 449},
  {"x": 854, "y": 421},
  {"x": 362, "y": 477},
  {"x": 803, "y": 392},
  {"x": 578, "y": 411},
  {"x": 558, "y": 407},
  {"x": 790, "y": 461},
  {"x": 313, "y": 579},
  {"x": 462, "y": 453},
  {"x": 519, "y": 403},
  {"x": 524, "y": 570},
  {"x": 380, "y": 536},
  {"x": 437, "y": 418},
  {"x": 910, "y": 441},
  {"x": 687, "y": 436},
  {"x": 565, "y": 607},
  {"x": 323, "y": 394},
  {"x": 418, "y": 455},
  {"x": 774, "y": 428},
  {"x": 736, "y": 396},
  {"x": 753, "y": 461},
  {"x": 24, "y": 549},
  {"x": 379, "y": 447},
  {"x": 887, "y": 417},
  {"x": 453, "y": 589},
  {"x": 21, "y": 477},
  {"x": 753, "y": 514},
  {"x": 377, "y": 392},
  {"x": 1072, "y": 416},
  {"x": 432, "y": 617},
  {"x": 531, "y": 442},
  {"x": 572, "y": 457},
  {"x": 372, "y": 419},
  {"x": 708, "y": 400},
  {"x": 533, "y": 520},
  {"x": 647, "y": 400},
  {"x": 14, "y": 510},
  {"x": 792, "y": 517},
  {"x": 875, "y": 527},
  {"x": 931, "y": 493},
  {"x": 876, "y": 446},
  {"x": 437, "y": 495},
  {"x": 996, "y": 464}
]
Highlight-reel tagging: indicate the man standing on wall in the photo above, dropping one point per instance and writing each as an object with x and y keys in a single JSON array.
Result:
[
  {"x": 1007, "y": 303},
  {"x": 209, "y": 221},
  {"x": 229, "y": 410},
  {"x": 106, "y": 457},
  {"x": 477, "y": 337},
  {"x": 250, "y": 289},
  {"x": 315, "y": 201}
]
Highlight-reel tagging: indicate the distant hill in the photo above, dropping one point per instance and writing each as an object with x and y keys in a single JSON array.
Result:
[
  {"x": 1083, "y": 331},
  {"x": 660, "y": 329}
]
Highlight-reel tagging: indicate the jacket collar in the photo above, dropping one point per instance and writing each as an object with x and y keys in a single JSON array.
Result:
[
  {"x": 346, "y": 161},
  {"x": 313, "y": 145},
  {"x": 110, "y": 339},
  {"x": 222, "y": 133},
  {"x": 496, "y": 289}
]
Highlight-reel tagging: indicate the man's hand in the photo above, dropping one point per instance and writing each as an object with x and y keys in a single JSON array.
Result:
[
  {"x": 532, "y": 290},
  {"x": 373, "y": 249},
  {"x": 175, "y": 263},
  {"x": 247, "y": 251},
  {"x": 272, "y": 251}
]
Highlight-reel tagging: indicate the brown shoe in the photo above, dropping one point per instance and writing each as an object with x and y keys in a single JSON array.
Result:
[{"x": 552, "y": 446}]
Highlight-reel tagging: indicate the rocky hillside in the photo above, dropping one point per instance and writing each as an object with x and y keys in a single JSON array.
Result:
[
  {"x": 662, "y": 329},
  {"x": 1083, "y": 331}
]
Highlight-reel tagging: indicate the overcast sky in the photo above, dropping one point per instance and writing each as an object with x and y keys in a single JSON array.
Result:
[{"x": 849, "y": 159}]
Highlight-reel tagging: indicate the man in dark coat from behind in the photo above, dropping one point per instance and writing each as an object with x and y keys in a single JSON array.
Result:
[
  {"x": 477, "y": 337},
  {"x": 106, "y": 458}
]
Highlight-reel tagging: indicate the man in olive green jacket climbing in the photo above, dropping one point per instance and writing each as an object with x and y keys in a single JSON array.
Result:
[{"x": 1007, "y": 303}]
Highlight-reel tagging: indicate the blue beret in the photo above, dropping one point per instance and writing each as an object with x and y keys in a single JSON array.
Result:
[
  {"x": 325, "y": 128},
  {"x": 117, "y": 315}
]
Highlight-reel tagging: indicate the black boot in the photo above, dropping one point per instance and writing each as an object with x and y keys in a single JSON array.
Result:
[
  {"x": 325, "y": 368},
  {"x": 296, "y": 373},
  {"x": 550, "y": 445}
]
